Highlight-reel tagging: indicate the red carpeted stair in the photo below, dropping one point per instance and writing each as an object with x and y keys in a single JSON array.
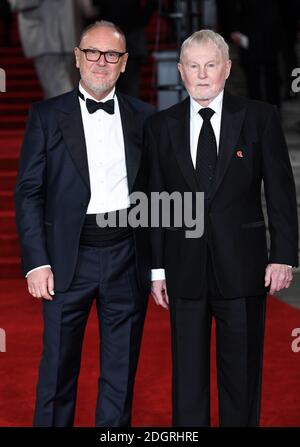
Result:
[{"x": 22, "y": 88}]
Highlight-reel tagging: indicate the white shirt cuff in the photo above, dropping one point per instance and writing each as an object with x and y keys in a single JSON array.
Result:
[
  {"x": 37, "y": 268},
  {"x": 157, "y": 274}
]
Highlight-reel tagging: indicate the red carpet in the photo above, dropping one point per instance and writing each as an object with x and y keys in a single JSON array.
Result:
[{"x": 21, "y": 319}]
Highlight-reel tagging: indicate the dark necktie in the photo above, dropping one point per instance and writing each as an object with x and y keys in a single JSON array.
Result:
[
  {"x": 107, "y": 106},
  {"x": 206, "y": 152}
]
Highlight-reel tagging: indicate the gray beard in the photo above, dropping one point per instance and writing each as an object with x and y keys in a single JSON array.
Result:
[{"x": 98, "y": 89}]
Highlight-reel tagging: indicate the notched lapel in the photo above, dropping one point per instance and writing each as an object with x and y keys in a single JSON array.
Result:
[{"x": 71, "y": 126}]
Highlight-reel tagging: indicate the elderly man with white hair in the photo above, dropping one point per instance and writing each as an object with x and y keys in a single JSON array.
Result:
[{"x": 226, "y": 147}]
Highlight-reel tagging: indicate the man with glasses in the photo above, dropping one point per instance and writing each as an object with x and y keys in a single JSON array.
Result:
[{"x": 81, "y": 159}]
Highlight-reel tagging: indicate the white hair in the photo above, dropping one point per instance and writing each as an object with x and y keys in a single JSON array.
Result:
[{"x": 204, "y": 36}]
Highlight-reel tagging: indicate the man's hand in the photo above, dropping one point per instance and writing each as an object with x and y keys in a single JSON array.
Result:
[
  {"x": 41, "y": 283},
  {"x": 159, "y": 293},
  {"x": 278, "y": 276}
]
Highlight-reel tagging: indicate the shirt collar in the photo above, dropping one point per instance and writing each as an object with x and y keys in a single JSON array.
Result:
[
  {"x": 87, "y": 95},
  {"x": 215, "y": 105}
]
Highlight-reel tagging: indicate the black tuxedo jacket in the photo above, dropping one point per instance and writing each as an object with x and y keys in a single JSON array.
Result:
[
  {"x": 252, "y": 149},
  {"x": 53, "y": 190}
]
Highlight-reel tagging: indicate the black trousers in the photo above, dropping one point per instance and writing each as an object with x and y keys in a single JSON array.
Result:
[
  {"x": 239, "y": 350},
  {"x": 108, "y": 275}
]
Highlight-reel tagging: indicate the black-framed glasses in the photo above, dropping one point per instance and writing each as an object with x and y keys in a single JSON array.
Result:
[{"x": 111, "y": 57}]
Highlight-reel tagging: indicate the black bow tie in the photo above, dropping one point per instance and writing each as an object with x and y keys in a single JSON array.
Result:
[
  {"x": 92, "y": 106},
  {"x": 107, "y": 106}
]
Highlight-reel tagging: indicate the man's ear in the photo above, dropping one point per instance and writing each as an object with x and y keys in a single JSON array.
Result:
[
  {"x": 228, "y": 68},
  {"x": 124, "y": 62},
  {"x": 76, "y": 53},
  {"x": 179, "y": 66}
]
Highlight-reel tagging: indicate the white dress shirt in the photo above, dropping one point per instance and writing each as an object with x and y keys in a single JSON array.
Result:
[
  {"x": 195, "y": 127},
  {"x": 106, "y": 158}
]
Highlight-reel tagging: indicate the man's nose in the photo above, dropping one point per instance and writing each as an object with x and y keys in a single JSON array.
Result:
[
  {"x": 202, "y": 72},
  {"x": 101, "y": 60}
]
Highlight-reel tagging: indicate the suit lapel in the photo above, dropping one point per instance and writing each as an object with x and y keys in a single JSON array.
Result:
[
  {"x": 233, "y": 114},
  {"x": 179, "y": 128},
  {"x": 132, "y": 133},
  {"x": 70, "y": 122}
]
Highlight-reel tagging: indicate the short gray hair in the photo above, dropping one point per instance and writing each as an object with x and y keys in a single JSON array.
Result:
[
  {"x": 203, "y": 36},
  {"x": 103, "y": 24}
]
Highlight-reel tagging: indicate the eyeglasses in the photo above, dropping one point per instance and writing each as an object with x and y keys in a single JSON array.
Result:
[{"x": 111, "y": 57}]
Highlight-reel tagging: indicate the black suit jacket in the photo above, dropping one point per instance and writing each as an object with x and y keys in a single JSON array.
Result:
[
  {"x": 53, "y": 189},
  {"x": 234, "y": 222}
]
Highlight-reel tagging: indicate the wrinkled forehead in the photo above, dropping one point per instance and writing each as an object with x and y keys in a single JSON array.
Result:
[
  {"x": 104, "y": 38},
  {"x": 202, "y": 51}
]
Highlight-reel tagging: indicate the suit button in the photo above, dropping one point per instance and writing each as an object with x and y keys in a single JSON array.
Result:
[{"x": 83, "y": 204}]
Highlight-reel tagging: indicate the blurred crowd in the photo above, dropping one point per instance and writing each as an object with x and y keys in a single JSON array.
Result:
[
  {"x": 50, "y": 29},
  {"x": 265, "y": 32}
]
